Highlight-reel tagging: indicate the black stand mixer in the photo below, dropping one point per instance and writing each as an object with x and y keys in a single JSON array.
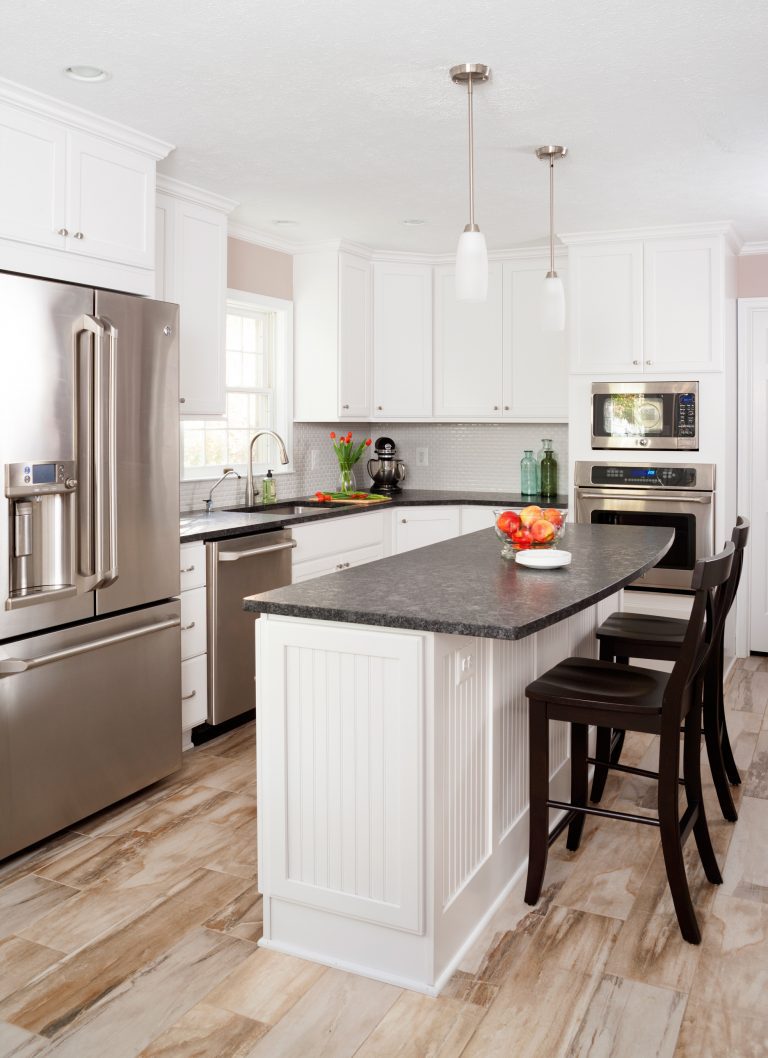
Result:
[{"x": 386, "y": 470}]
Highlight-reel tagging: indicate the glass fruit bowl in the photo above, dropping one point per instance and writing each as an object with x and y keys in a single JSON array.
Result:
[{"x": 531, "y": 527}]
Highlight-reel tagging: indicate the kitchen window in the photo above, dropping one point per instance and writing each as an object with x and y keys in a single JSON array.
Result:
[{"x": 258, "y": 388}]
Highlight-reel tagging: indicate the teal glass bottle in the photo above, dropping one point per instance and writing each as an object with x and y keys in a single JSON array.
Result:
[
  {"x": 548, "y": 471},
  {"x": 529, "y": 474}
]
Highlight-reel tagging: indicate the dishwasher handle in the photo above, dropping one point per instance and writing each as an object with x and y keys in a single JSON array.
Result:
[{"x": 235, "y": 556}]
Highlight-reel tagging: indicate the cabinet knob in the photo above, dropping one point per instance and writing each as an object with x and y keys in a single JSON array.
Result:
[
  {"x": 379, "y": 407},
  {"x": 495, "y": 407},
  {"x": 62, "y": 231},
  {"x": 345, "y": 407},
  {"x": 635, "y": 361},
  {"x": 506, "y": 407},
  {"x": 182, "y": 400},
  {"x": 404, "y": 521},
  {"x": 649, "y": 361},
  {"x": 79, "y": 235}
]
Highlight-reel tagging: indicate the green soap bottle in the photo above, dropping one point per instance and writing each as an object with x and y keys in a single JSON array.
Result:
[{"x": 268, "y": 489}]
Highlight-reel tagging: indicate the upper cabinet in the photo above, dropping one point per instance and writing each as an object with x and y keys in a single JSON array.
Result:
[
  {"x": 648, "y": 306},
  {"x": 192, "y": 271},
  {"x": 77, "y": 195},
  {"x": 332, "y": 336},
  {"x": 402, "y": 341}
]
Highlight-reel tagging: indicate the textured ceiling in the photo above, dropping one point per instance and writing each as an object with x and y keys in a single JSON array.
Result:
[{"x": 340, "y": 115}]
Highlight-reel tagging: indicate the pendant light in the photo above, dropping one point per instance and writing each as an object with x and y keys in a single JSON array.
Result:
[
  {"x": 471, "y": 253},
  {"x": 552, "y": 294}
]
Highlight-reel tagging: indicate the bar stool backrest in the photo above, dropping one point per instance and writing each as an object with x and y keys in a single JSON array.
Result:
[
  {"x": 739, "y": 537},
  {"x": 710, "y": 584}
]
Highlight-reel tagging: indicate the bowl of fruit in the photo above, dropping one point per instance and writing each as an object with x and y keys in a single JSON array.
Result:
[{"x": 532, "y": 527}]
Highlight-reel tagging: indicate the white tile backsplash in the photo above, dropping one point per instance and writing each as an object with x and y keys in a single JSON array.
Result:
[{"x": 463, "y": 456}]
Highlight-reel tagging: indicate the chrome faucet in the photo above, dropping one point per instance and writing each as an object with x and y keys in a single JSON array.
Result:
[
  {"x": 228, "y": 471},
  {"x": 250, "y": 494}
]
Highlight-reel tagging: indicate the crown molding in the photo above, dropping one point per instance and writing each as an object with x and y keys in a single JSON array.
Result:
[
  {"x": 246, "y": 233},
  {"x": 85, "y": 120},
  {"x": 748, "y": 249},
  {"x": 197, "y": 195},
  {"x": 667, "y": 231}
]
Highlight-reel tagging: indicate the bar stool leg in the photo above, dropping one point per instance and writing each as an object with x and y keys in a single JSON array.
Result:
[
  {"x": 669, "y": 820},
  {"x": 693, "y": 794},
  {"x": 731, "y": 771},
  {"x": 712, "y": 737},
  {"x": 602, "y": 752},
  {"x": 579, "y": 784},
  {"x": 538, "y": 812}
]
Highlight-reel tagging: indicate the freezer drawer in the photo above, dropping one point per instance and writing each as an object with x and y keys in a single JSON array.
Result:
[{"x": 88, "y": 715}]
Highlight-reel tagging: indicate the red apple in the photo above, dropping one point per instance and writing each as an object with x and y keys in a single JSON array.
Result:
[
  {"x": 542, "y": 531},
  {"x": 528, "y": 515},
  {"x": 522, "y": 539},
  {"x": 554, "y": 516},
  {"x": 508, "y": 522}
]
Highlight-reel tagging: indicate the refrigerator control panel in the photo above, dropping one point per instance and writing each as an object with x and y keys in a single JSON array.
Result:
[{"x": 39, "y": 479}]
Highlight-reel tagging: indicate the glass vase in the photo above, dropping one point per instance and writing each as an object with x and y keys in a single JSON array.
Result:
[
  {"x": 548, "y": 471},
  {"x": 347, "y": 483},
  {"x": 529, "y": 474}
]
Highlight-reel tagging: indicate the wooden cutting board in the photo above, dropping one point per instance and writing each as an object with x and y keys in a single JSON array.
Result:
[{"x": 370, "y": 498}]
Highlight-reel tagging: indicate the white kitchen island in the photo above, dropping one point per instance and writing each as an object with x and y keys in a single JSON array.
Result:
[{"x": 392, "y": 742}]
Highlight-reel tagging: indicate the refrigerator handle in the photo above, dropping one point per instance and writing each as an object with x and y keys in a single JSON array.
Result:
[
  {"x": 105, "y": 452},
  {"x": 92, "y": 329}
]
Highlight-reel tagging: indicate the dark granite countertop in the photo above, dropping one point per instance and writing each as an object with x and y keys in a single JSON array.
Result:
[
  {"x": 464, "y": 586},
  {"x": 197, "y": 525}
]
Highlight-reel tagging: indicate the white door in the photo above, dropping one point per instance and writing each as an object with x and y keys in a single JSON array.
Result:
[
  {"x": 606, "y": 307},
  {"x": 402, "y": 341},
  {"x": 354, "y": 337},
  {"x": 110, "y": 201},
  {"x": 683, "y": 304},
  {"x": 535, "y": 361},
  {"x": 420, "y": 526},
  {"x": 753, "y": 481},
  {"x": 468, "y": 349},
  {"x": 32, "y": 179}
]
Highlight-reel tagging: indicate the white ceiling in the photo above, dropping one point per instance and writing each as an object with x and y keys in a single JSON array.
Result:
[{"x": 341, "y": 115}]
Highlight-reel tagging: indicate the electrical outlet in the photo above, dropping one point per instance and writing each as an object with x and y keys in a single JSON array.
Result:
[
  {"x": 314, "y": 455},
  {"x": 465, "y": 666},
  {"x": 422, "y": 457}
]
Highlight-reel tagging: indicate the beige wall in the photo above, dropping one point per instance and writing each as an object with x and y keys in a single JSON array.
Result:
[
  {"x": 259, "y": 270},
  {"x": 753, "y": 275}
]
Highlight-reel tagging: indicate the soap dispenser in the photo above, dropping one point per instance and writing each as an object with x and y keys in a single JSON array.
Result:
[{"x": 268, "y": 489}]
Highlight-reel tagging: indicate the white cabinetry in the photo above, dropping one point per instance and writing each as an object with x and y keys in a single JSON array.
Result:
[
  {"x": 194, "y": 658},
  {"x": 332, "y": 336},
  {"x": 402, "y": 341},
  {"x": 419, "y": 526},
  {"x": 76, "y": 195},
  {"x": 192, "y": 235},
  {"x": 652, "y": 305},
  {"x": 337, "y": 544},
  {"x": 473, "y": 519}
]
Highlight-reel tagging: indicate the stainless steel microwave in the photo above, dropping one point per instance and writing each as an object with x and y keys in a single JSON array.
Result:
[{"x": 645, "y": 415}]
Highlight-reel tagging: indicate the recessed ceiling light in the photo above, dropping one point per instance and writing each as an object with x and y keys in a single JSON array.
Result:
[
  {"x": 286, "y": 223},
  {"x": 414, "y": 222},
  {"x": 86, "y": 73}
]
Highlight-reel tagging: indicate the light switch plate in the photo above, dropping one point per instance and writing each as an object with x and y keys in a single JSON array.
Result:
[
  {"x": 465, "y": 665},
  {"x": 422, "y": 457}
]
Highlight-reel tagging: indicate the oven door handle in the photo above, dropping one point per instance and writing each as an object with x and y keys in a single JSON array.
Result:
[{"x": 676, "y": 497}]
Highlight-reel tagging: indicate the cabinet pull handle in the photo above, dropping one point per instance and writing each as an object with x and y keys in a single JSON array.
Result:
[
  {"x": 187, "y": 569},
  {"x": 186, "y": 628},
  {"x": 79, "y": 235},
  {"x": 186, "y": 697},
  {"x": 62, "y": 231}
]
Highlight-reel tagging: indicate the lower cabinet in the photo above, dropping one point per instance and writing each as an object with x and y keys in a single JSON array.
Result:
[
  {"x": 419, "y": 526},
  {"x": 318, "y": 567},
  {"x": 337, "y": 544},
  {"x": 473, "y": 519},
  {"x": 194, "y": 657}
]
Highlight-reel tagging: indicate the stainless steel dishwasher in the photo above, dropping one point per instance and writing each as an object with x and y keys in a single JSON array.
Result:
[{"x": 244, "y": 565}]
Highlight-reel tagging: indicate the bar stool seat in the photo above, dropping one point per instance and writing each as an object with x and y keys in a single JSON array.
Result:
[
  {"x": 646, "y": 628},
  {"x": 623, "y": 690}
]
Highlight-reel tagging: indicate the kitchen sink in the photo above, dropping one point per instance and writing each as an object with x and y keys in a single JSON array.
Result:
[{"x": 308, "y": 507}]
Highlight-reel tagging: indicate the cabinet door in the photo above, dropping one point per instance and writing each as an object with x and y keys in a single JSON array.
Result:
[
  {"x": 606, "y": 306},
  {"x": 535, "y": 360},
  {"x": 402, "y": 341},
  {"x": 468, "y": 349},
  {"x": 199, "y": 286},
  {"x": 32, "y": 178},
  {"x": 110, "y": 201},
  {"x": 473, "y": 519},
  {"x": 683, "y": 302},
  {"x": 164, "y": 238},
  {"x": 354, "y": 337},
  {"x": 420, "y": 526}
]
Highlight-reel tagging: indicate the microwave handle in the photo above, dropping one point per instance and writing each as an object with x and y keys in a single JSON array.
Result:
[{"x": 635, "y": 496}]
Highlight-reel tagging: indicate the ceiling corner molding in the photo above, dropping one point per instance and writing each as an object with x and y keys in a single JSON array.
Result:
[
  {"x": 245, "y": 233},
  {"x": 84, "y": 120},
  {"x": 198, "y": 195},
  {"x": 748, "y": 249},
  {"x": 667, "y": 231}
]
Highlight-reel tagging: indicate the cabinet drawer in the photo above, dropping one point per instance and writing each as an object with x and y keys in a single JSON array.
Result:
[
  {"x": 337, "y": 535},
  {"x": 192, "y": 623},
  {"x": 421, "y": 526},
  {"x": 194, "y": 691},
  {"x": 318, "y": 567},
  {"x": 192, "y": 566}
]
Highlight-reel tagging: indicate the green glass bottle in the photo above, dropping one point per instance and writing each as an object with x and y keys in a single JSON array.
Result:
[
  {"x": 548, "y": 471},
  {"x": 529, "y": 474}
]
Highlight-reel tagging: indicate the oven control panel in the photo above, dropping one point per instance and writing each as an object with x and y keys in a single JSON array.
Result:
[
  {"x": 659, "y": 477},
  {"x": 685, "y": 415}
]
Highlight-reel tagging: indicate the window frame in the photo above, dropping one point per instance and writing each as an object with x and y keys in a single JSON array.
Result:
[{"x": 283, "y": 386}]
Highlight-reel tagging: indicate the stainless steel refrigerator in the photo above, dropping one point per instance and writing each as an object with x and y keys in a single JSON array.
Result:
[{"x": 90, "y": 665}]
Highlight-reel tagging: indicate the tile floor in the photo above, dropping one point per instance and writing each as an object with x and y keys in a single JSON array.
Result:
[{"x": 135, "y": 934}]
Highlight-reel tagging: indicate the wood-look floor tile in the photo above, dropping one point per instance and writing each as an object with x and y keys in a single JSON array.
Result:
[
  {"x": 21, "y": 961},
  {"x": 234, "y": 775},
  {"x": 416, "y": 1026},
  {"x": 27, "y": 899},
  {"x": 715, "y": 1032},
  {"x": 331, "y": 1020},
  {"x": 629, "y": 1019},
  {"x": 756, "y": 779},
  {"x": 743, "y": 729},
  {"x": 746, "y": 867},
  {"x": 748, "y": 690},
  {"x": 24, "y": 863},
  {"x": 16, "y": 1043},
  {"x": 237, "y": 855},
  {"x": 63, "y": 994},
  {"x": 243, "y": 918},
  {"x": 144, "y": 1005},
  {"x": 266, "y": 986},
  {"x": 207, "y": 1032},
  {"x": 238, "y": 743}
]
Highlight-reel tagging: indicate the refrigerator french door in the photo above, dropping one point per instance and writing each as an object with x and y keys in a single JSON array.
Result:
[{"x": 88, "y": 530}]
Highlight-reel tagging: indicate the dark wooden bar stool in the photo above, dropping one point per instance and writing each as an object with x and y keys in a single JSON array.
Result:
[
  {"x": 582, "y": 691},
  {"x": 627, "y": 635}
]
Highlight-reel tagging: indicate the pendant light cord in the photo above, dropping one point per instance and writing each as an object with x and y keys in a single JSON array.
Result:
[
  {"x": 552, "y": 214},
  {"x": 471, "y": 156}
]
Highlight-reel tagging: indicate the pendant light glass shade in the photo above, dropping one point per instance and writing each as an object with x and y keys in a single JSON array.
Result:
[
  {"x": 553, "y": 304},
  {"x": 471, "y": 267}
]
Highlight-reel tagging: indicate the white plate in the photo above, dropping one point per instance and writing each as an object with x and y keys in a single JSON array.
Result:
[{"x": 544, "y": 558}]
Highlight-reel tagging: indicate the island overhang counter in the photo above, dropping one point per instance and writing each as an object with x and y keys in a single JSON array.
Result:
[{"x": 392, "y": 741}]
